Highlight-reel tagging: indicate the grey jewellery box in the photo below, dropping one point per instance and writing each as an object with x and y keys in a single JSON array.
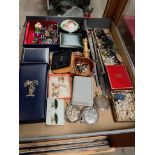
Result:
[{"x": 82, "y": 91}]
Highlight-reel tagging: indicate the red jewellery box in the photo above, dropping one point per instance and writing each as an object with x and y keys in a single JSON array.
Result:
[
  {"x": 118, "y": 77},
  {"x": 29, "y": 34}
]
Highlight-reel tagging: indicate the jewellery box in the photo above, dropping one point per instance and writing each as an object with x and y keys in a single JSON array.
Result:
[
  {"x": 36, "y": 55},
  {"x": 82, "y": 91},
  {"x": 61, "y": 59},
  {"x": 71, "y": 40},
  {"x": 118, "y": 77},
  {"x": 30, "y": 33},
  {"x": 123, "y": 105},
  {"x": 32, "y": 92}
]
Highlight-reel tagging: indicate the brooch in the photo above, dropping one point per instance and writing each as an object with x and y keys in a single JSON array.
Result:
[{"x": 31, "y": 84}]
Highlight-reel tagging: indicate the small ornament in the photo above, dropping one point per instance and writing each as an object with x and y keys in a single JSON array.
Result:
[
  {"x": 85, "y": 51},
  {"x": 38, "y": 26}
]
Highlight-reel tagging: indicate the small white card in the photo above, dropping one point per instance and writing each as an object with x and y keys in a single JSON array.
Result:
[{"x": 55, "y": 112}]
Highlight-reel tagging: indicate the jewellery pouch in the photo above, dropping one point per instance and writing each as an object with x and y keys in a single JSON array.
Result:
[
  {"x": 36, "y": 55},
  {"x": 32, "y": 92},
  {"x": 71, "y": 40}
]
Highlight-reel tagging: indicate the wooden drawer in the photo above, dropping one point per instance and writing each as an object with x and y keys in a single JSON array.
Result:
[{"x": 104, "y": 128}]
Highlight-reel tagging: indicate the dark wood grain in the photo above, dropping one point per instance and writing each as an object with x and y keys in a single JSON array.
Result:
[
  {"x": 114, "y": 9},
  {"x": 122, "y": 140}
]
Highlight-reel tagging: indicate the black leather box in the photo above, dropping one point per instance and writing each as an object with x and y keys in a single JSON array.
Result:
[
  {"x": 32, "y": 92},
  {"x": 35, "y": 55},
  {"x": 61, "y": 59}
]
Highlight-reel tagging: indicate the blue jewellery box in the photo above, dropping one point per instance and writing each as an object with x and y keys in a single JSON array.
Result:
[
  {"x": 35, "y": 55},
  {"x": 32, "y": 93}
]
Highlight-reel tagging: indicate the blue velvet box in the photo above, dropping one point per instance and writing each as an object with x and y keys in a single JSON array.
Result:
[
  {"x": 32, "y": 92},
  {"x": 35, "y": 55}
]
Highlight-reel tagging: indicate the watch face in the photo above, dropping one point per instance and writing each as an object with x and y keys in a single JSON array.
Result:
[
  {"x": 72, "y": 113},
  {"x": 89, "y": 115}
]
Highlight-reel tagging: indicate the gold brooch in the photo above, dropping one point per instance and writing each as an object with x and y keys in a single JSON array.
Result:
[{"x": 31, "y": 87}]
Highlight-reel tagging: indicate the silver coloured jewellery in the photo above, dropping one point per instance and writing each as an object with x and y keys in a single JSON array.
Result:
[
  {"x": 72, "y": 113},
  {"x": 101, "y": 102},
  {"x": 89, "y": 115}
]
